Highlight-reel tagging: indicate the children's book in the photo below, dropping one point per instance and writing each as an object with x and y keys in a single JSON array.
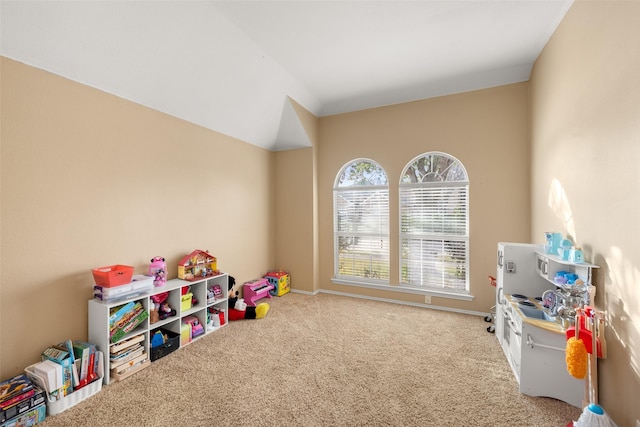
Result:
[
  {"x": 92, "y": 365},
  {"x": 123, "y": 367},
  {"x": 17, "y": 398},
  {"x": 14, "y": 387},
  {"x": 68, "y": 346},
  {"x": 118, "y": 312},
  {"x": 27, "y": 417},
  {"x": 127, "y": 357},
  {"x": 124, "y": 352},
  {"x": 82, "y": 351}
]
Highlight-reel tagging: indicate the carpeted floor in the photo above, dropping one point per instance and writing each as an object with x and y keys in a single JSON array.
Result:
[{"x": 328, "y": 360}]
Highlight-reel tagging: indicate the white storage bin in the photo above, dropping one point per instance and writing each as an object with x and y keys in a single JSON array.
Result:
[{"x": 56, "y": 406}]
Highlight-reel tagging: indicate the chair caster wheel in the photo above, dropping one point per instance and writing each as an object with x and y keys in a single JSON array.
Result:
[{"x": 491, "y": 329}]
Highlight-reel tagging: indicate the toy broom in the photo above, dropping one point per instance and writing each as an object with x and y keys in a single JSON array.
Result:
[
  {"x": 576, "y": 353},
  {"x": 593, "y": 415}
]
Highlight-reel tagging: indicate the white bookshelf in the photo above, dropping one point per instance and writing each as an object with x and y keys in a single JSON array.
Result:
[{"x": 99, "y": 313}]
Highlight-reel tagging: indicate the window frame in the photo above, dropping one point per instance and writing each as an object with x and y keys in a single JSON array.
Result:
[
  {"x": 368, "y": 189},
  {"x": 448, "y": 283}
]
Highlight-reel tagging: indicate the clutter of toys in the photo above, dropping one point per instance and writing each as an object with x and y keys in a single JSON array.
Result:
[{"x": 133, "y": 321}]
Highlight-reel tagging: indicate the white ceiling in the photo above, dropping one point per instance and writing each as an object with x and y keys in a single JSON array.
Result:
[{"x": 232, "y": 66}]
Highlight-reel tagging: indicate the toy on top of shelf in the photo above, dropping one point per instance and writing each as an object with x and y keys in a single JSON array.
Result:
[
  {"x": 198, "y": 264},
  {"x": 113, "y": 275},
  {"x": 158, "y": 270}
]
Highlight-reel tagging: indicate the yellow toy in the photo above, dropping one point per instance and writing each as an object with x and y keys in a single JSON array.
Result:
[{"x": 281, "y": 282}]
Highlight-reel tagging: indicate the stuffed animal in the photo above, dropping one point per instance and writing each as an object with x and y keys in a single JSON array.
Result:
[
  {"x": 239, "y": 310},
  {"x": 161, "y": 307}
]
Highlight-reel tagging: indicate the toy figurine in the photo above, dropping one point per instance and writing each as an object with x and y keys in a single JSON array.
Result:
[
  {"x": 158, "y": 270},
  {"x": 165, "y": 311},
  {"x": 161, "y": 306}
]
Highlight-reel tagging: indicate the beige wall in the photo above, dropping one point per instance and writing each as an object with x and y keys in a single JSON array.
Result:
[
  {"x": 486, "y": 130},
  {"x": 296, "y": 208},
  {"x": 585, "y": 109},
  {"x": 89, "y": 180},
  {"x": 294, "y": 216}
]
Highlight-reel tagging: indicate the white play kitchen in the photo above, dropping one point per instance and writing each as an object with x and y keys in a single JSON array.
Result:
[{"x": 538, "y": 295}]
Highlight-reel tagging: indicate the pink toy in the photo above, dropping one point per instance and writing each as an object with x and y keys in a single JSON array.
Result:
[
  {"x": 158, "y": 270},
  {"x": 254, "y": 290},
  {"x": 196, "y": 327}
]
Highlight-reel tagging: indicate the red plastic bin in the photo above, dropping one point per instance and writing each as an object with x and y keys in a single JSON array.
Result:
[{"x": 113, "y": 275}]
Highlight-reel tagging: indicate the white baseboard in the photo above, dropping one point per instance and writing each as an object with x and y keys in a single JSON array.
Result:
[{"x": 393, "y": 301}]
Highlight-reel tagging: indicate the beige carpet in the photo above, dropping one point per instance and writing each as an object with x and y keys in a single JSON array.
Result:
[{"x": 328, "y": 360}]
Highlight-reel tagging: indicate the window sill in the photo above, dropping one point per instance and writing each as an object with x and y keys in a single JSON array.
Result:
[{"x": 404, "y": 289}]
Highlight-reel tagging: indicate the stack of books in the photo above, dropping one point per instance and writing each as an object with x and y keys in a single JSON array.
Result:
[
  {"x": 21, "y": 402},
  {"x": 128, "y": 356}
]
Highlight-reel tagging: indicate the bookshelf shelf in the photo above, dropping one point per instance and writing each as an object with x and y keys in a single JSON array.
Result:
[{"x": 203, "y": 310}]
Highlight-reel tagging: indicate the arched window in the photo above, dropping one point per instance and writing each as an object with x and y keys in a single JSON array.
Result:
[
  {"x": 434, "y": 223},
  {"x": 361, "y": 222}
]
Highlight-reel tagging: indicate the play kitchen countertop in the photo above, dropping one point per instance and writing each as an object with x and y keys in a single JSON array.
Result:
[{"x": 555, "y": 324}]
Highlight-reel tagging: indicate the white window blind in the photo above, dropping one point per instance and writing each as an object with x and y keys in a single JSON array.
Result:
[
  {"x": 434, "y": 230},
  {"x": 361, "y": 223}
]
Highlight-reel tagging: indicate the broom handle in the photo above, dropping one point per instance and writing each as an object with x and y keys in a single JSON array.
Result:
[
  {"x": 587, "y": 381},
  {"x": 593, "y": 366}
]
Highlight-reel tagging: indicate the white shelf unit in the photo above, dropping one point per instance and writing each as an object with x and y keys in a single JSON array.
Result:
[
  {"x": 548, "y": 265},
  {"x": 99, "y": 313}
]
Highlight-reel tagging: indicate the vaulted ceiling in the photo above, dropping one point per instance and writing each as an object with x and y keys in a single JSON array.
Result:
[{"x": 233, "y": 66}]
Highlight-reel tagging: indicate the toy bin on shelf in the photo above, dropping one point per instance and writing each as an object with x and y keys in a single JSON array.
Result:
[
  {"x": 56, "y": 406},
  {"x": 113, "y": 275},
  {"x": 185, "y": 302},
  {"x": 171, "y": 343}
]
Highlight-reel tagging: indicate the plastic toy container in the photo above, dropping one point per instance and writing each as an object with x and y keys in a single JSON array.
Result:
[
  {"x": 185, "y": 334},
  {"x": 113, "y": 275},
  {"x": 54, "y": 406},
  {"x": 185, "y": 302}
]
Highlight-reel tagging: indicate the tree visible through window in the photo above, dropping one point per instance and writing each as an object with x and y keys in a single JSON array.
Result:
[
  {"x": 434, "y": 226},
  {"x": 361, "y": 222}
]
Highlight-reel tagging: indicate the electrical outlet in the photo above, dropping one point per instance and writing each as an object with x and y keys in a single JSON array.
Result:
[{"x": 427, "y": 300}]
